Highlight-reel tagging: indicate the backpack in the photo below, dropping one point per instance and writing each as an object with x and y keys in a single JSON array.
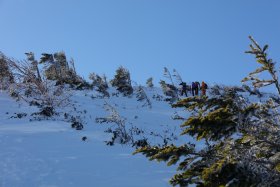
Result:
[
  {"x": 206, "y": 86},
  {"x": 194, "y": 85}
]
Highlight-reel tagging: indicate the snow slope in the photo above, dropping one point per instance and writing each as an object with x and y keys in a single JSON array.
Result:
[{"x": 49, "y": 153}]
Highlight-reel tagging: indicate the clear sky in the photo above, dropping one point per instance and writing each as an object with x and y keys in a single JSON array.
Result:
[{"x": 201, "y": 39}]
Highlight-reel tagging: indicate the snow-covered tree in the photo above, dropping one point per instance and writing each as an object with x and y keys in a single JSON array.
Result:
[
  {"x": 177, "y": 76},
  {"x": 149, "y": 82},
  {"x": 120, "y": 133},
  {"x": 57, "y": 68},
  {"x": 239, "y": 137},
  {"x": 167, "y": 74},
  {"x": 267, "y": 65},
  {"x": 169, "y": 89},
  {"x": 122, "y": 81},
  {"x": 100, "y": 83},
  {"x": 33, "y": 86},
  {"x": 6, "y": 76},
  {"x": 142, "y": 96}
]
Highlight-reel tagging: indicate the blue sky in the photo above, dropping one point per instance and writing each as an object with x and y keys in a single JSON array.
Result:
[{"x": 202, "y": 40}]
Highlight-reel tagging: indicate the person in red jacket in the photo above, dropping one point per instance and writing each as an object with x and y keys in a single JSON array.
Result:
[{"x": 203, "y": 88}]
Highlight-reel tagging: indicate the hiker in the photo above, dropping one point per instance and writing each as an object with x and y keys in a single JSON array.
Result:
[
  {"x": 197, "y": 87},
  {"x": 204, "y": 87},
  {"x": 193, "y": 88},
  {"x": 184, "y": 89}
]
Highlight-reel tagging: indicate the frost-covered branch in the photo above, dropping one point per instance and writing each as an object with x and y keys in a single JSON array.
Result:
[{"x": 266, "y": 63}]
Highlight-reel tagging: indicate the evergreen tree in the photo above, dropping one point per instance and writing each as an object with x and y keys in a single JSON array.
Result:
[
  {"x": 105, "y": 82},
  {"x": 122, "y": 81},
  {"x": 240, "y": 136},
  {"x": 32, "y": 86},
  {"x": 6, "y": 76},
  {"x": 169, "y": 90},
  {"x": 57, "y": 69},
  {"x": 51, "y": 72},
  {"x": 100, "y": 83},
  {"x": 61, "y": 65},
  {"x": 34, "y": 63},
  {"x": 149, "y": 82}
]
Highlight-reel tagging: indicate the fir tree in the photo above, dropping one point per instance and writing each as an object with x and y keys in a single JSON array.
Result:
[
  {"x": 100, "y": 83},
  {"x": 169, "y": 90},
  {"x": 58, "y": 69},
  {"x": 240, "y": 136},
  {"x": 51, "y": 72},
  {"x": 149, "y": 82},
  {"x": 32, "y": 86},
  {"x": 34, "y": 63},
  {"x": 122, "y": 81},
  {"x": 6, "y": 76},
  {"x": 61, "y": 65}
]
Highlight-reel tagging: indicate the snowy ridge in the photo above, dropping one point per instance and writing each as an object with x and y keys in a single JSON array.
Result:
[{"x": 50, "y": 153}]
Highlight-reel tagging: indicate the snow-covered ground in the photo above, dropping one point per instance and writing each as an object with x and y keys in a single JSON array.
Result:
[{"x": 49, "y": 153}]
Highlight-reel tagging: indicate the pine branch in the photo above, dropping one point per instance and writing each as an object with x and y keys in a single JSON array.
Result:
[{"x": 267, "y": 65}]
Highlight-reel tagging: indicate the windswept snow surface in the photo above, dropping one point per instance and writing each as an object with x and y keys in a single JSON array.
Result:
[{"x": 49, "y": 153}]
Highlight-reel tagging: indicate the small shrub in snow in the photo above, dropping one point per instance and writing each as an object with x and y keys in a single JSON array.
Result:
[
  {"x": 76, "y": 123},
  {"x": 158, "y": 97},
  {"x": 44, "y": 113},
  {"x": 120, "y": 131},
  {"x": 176, "y": 116},
  {"x": 166, "y": 136},
  {"x": 84, "y": 138},
  {"x": 14, "y": 94},
  {"x": 116, "y": 94},
  {"x": 47, "y": 111},
  {"x": 19, "y": 115},
  {"x": 142, "y": 96},
  {"x": 140, "y": 143}
]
